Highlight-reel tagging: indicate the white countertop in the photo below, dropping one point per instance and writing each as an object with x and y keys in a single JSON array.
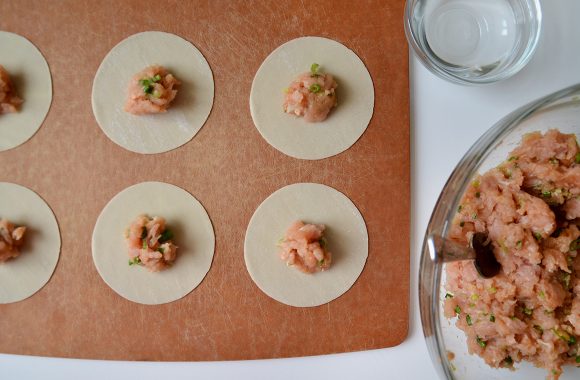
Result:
[{"x": 445, "y": 120}]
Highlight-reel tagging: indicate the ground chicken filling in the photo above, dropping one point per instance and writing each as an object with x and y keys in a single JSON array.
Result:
[
  {"x": 304, "y": 247},
  {"x": 9, "y": 102},
  {"x": 530, "y": 207},
  {"x": 151, "y": 91},
  {"x": 311, "y": 95},
  {"x": 11, "y": 238},
  {"x": 150, "y": 243}
]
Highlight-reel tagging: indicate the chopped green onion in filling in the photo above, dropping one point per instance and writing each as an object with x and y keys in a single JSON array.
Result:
[
  {"x": 468, "y": 319},
  {"x": 541, "y": 294},
  {"x": 315, "y": 88},
  {"x": 135, "y": 261},
  {"x": 508, "y": 362},
  {"x": 314, "y": 69},
  {"x": 570, "y": 339},
  {"x": 575, "y": 245},
  {"x": 166, "y": 236},
  {"x": 482, "y": 343},
  {"x": 565, "y": 279},
  {"x": 506, "y": 173},
  {"x": 147, "y": 83}
]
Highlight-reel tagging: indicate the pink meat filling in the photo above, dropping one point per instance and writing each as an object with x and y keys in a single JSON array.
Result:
[
  {"x": 149, "y": 242},
  {"x": 304, "y": 247},
  {"x": 311, "y": 95},
  {"x": 529, "y": 207},
  {"x": 151, "y": 91},
  {"x": 9, "y": 102},
  {"x": 11, "y": 238}
]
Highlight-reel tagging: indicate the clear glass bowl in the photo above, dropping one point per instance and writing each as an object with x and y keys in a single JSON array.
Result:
[
  {"x": 560, "y": 110},
  {"x": 473, "y": 41}
]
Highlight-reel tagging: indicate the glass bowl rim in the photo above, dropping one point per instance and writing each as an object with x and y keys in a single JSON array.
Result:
[{"x": 430, "y": 272}]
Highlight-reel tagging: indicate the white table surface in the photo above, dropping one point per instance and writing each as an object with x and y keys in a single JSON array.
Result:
[{"x": 445, "y": 120}]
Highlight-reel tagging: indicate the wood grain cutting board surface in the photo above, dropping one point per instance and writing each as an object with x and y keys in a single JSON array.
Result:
[{"x": 228, "y": 166}]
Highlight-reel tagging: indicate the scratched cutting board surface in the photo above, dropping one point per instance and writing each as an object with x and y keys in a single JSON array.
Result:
[{"x": 228, "y": 166}]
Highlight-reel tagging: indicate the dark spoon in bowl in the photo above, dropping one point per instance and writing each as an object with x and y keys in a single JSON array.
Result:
[{"x": 481, "y": 252}]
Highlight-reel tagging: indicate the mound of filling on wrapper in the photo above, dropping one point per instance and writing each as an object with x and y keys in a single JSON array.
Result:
[
  {"x": 151, "y": 91},
  {"x": 9, "y": 101},
  {"x": 11, "y": 238},
  {"x": 150, "y": 243},
  {"x": 311, "y": 95},
  {"x": 530, "y": 207},
  {"x": 304, "y": 247}
]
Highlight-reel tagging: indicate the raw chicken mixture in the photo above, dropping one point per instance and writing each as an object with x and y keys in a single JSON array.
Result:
[
  {"x": 151, "y": 91},
  {"x": 150, "y": 243},
  {"x": 9, "y": 102},
  {"x": 311, "y": 95},
  {"x": 530, "y": 207},
  {"x": 11, "y": 238},
  {"x": 304, "y": 247}
]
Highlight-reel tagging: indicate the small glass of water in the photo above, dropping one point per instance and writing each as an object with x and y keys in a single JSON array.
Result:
[{"x": 473, "y": 41}]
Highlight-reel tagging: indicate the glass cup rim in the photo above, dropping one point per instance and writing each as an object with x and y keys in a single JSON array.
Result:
[{"x": 436, "y": 68}]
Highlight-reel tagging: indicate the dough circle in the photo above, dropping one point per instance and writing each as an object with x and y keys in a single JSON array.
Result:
[
  {"x": 347, "y": 241},
  {"x": 26, "y": 274},
  {"x": 193, "y": 232},
  {"x": 162, "y": 132},
  {"x": 290, "y": 134},
  {"x": 30, "y": 75}
]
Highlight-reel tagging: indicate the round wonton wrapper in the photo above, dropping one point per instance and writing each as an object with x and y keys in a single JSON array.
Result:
[
  {"x": 26, "y": 274},
  {"x": 30, "y": 76},
  {"x": 292, "y": 135},
  {"x": 345, "y": 232},
  {"x": 193, "y": 234},
  {"x": 187, "y": 113}
]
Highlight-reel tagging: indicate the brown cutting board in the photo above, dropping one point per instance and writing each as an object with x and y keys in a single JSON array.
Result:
[{"x": 228, "y": 166}]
